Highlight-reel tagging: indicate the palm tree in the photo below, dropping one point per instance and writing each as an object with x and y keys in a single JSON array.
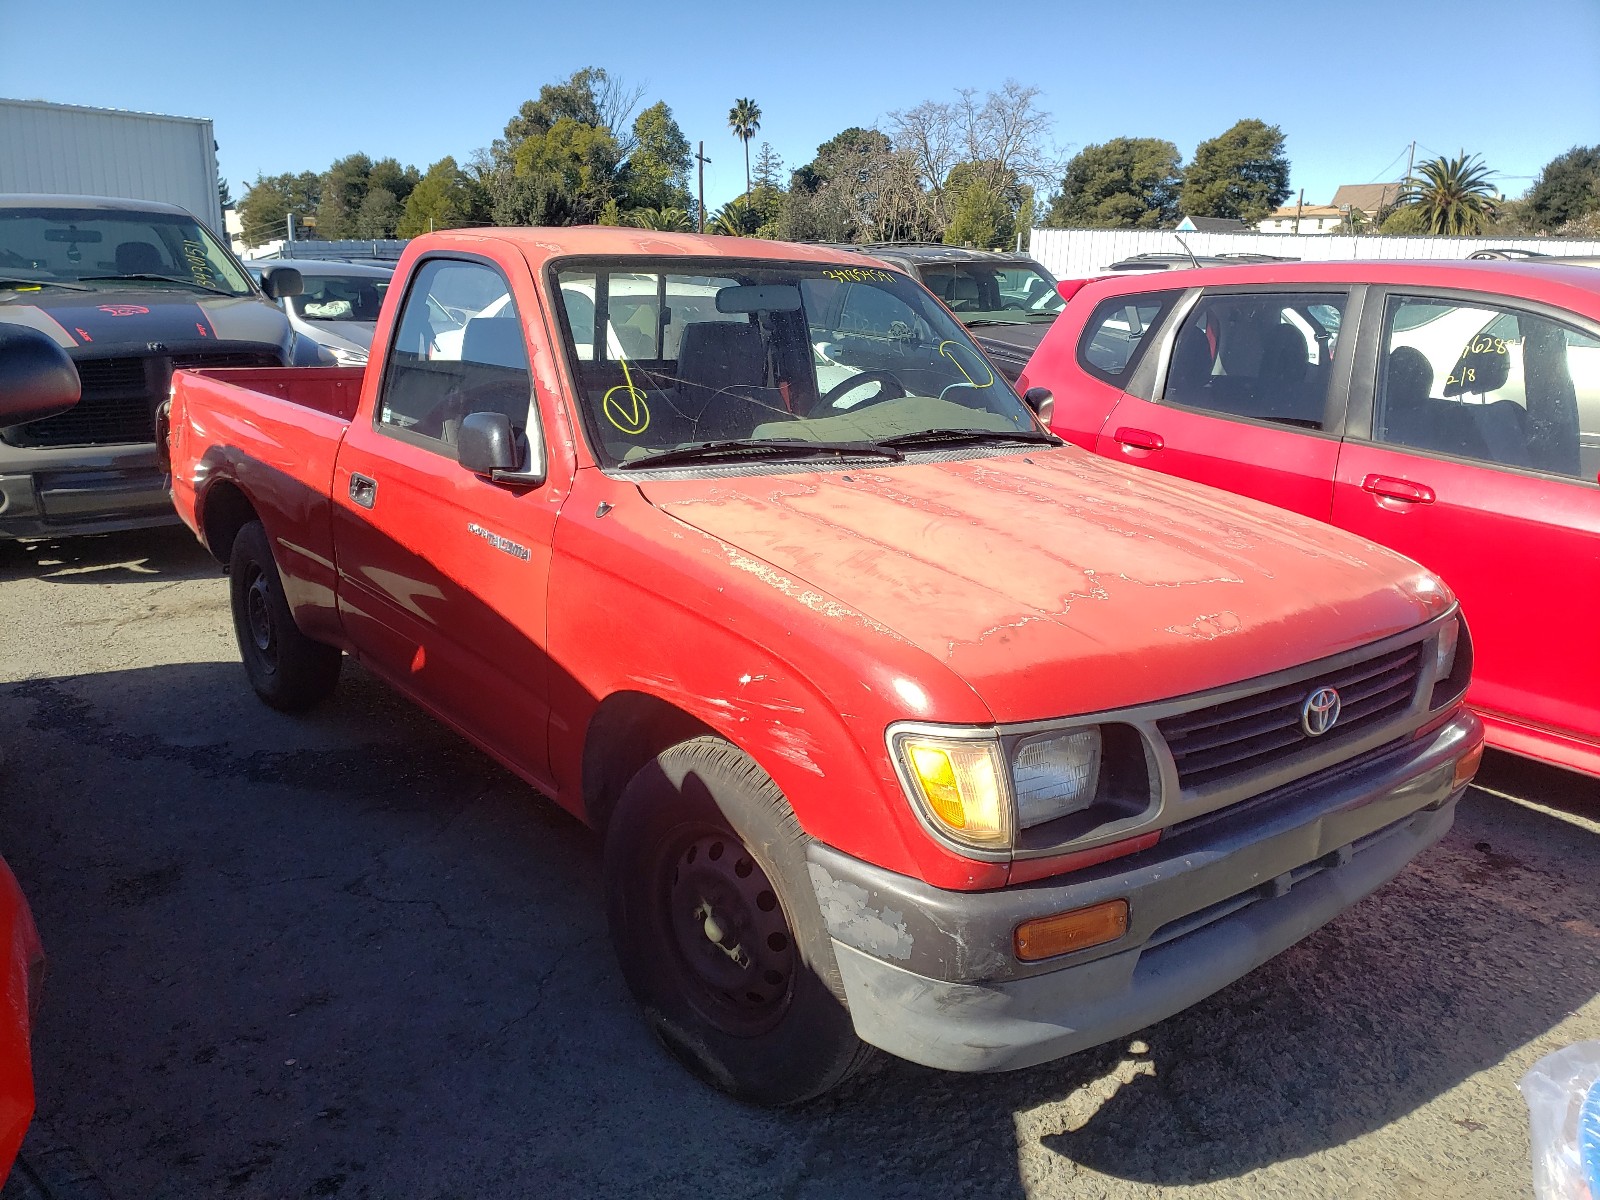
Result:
[
  {"x": 1454, "y": 196},
  {"x": 669, "y": 220},
  {"x": 744, "y": 118}
]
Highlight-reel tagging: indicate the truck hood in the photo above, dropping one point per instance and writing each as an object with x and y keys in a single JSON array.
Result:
[
  {"x": 121, "y": 318},
  {"x": 1056, "y": 583}
]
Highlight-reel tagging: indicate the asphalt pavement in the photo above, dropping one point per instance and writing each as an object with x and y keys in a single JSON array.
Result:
[{"x": 348, "y": 955}]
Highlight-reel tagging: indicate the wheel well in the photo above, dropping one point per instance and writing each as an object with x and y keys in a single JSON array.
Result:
[
  {"x": 625, "y": 733},
  {"x": 224, "y": 511}
]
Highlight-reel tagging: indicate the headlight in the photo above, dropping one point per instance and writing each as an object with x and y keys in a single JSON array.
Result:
[
  {"x": 959, "y": 785},
  {"x": 1444, "y": 658},
  {"x": 348, "y": 357},
  {"x": 1055, "y": 774}
]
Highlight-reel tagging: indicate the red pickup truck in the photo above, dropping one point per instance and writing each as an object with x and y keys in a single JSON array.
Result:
[{"x": 906, "y": 724}]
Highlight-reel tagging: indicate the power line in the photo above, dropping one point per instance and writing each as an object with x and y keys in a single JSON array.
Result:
[{"x": 1380, "y": 176}]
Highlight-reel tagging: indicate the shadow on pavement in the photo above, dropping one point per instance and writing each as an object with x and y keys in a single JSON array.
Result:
[
  {"x": 169, "y": 552},
  {"x": 349, "y": 955}
]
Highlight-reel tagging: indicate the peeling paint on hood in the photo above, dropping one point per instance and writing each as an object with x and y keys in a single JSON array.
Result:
[{"x": 1054, "y": 582}]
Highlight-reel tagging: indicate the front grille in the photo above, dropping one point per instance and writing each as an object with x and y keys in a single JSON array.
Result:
[
  {"x": 120, "y": 397},
  {"x": 1240, "y": 737},
  {"x": 117, "y": 406}
]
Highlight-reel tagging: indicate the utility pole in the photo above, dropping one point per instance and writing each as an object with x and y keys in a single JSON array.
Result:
[
  {"x": 700, "y": 157},
  {"x": 1410, "y": 159},
  {"x": 291, "y": 228},
  {"x": 1298, "y": 209}
]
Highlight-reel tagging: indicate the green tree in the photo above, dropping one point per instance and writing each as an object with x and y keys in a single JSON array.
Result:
[
  {"x": 1126, "y": 183},
  {"x": 1242, "y": 173},
  {"x": 671, "y": 220},
  {"x": 1451, "y": 197},
  {"x": 744, "y": 118},
  {"x": 379, "y": 214},
  {"x": 980, "y": 217},
  {"x": 344, "y": 187},
  {"x": 1403, "y": 219},
  {"x": 1568, "y": 187},
  {"x": 398, "y": 181},
  {"x": 581, "y": 160},
  {"x": 446, "y": 197},
  {"x": 769, "y": 169},
  {"x": 269, "y": 201},
  {"x": 657, "y": 173}
]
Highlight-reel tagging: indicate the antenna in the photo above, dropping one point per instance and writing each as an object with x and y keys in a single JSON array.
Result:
[{"x": 1193, "y": 261}]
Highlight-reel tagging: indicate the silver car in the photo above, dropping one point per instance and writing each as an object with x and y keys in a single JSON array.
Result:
[{"x": 338, "y": 310}]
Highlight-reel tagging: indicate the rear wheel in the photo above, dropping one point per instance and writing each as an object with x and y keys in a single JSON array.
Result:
[
  {"x": 287, "y": 669},
  {"x": 718, "y": 931}
]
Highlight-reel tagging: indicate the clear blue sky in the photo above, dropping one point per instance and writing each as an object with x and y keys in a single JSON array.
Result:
[{"x": 291, "y": 87}]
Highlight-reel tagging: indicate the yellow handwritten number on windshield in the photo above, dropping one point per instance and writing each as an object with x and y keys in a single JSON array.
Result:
[
  {"x": 945, "y": 348},
  {"x": 629, "y": 412}
]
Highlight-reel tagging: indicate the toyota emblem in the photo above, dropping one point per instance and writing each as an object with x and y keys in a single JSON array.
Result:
[{"x": 1319, "y": 712}]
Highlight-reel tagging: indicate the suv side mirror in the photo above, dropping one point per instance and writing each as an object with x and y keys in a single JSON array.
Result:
[
  {"x": 486, "y": 445},
  {"x": 37, "y": 379},
  {"x": 1043, "y": 403},
  {"x": 281, "y": 282}
]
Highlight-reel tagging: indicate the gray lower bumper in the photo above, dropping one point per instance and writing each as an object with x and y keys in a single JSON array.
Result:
[
  {"x": 929, "y": 975},
  {"x": 48, "y": 493}
]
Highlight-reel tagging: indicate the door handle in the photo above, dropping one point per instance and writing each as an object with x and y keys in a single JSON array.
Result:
[
  {"x": 1141, "y": 439},
  {"x": 363, "y": 489},
  {"x": 1398, "y": 489}
]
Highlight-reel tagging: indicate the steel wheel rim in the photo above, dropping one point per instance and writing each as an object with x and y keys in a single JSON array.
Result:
[
  {"x": 733, "y": 945},
  {"x": 258, "y": 616}
]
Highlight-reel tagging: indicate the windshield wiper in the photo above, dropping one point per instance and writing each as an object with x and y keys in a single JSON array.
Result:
[
  {"x": 164, "y": 278},
  {"x": 8, "y": 282},
  {"x": 991, "y": 321},
  {"x": 735, "y": 448},
  {"x": 943, "y": 437}
]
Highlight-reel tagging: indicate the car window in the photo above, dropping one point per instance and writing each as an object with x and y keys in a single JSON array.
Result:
[
  {"x": 1258, "y": 355},
  {"x": 458, "y": 348},
  {"x": 1491, "y": 384},
  {"x": 1110, "y": 343},
  {"x": 769, "y": 352},
  {"x": 340, "y": 298}
]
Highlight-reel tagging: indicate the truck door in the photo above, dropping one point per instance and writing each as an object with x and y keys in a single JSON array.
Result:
[{"x": 443, "y": 576}]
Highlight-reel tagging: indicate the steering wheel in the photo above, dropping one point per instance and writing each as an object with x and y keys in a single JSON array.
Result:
[{"x": 883, "y": 379}]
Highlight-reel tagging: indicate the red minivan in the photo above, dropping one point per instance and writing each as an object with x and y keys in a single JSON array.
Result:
[{"x": 1447, "y": 410}]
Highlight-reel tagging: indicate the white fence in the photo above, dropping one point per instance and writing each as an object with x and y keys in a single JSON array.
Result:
[{"x": 1077, "y": 253}]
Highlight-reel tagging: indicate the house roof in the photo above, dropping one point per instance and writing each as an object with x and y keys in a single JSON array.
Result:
[
  {"x": 1213, "y": 225},
  {"x": 1310, "y": 212},
  {"x": 1368, "y": 197}
]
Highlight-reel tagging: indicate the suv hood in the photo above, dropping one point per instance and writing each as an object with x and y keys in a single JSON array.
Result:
[{"x": 1055, "y": 583}]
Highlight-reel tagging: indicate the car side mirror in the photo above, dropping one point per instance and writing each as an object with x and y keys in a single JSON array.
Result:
[
  {"x": 486, "y": 445},
  {"x": 1042, "y": 401},
  {"x": 282, "y": 282},
  {"x": 37, "y": 379}
]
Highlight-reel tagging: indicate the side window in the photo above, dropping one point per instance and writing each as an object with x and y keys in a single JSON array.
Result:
[
  {"x": 1116, "y": 333},
  {"x": 1265, "y": 356},
  {"x": 1492, "y": 384},
  {"x": 459, "y": 348}
]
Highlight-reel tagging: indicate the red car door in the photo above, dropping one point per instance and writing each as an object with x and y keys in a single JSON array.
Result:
[
  {"x": 1249, "y": 399},
  {"x": 443, "y": 575},
  {"x": 1475, "y": 452}
]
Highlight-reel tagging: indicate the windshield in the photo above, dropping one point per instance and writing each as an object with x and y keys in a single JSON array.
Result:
[
  {"x": 983, "y": 292},
  {"x": 340, "y": 298},
  {"x": 760, "y": 352},
  {"x": 99, "y": 247}
]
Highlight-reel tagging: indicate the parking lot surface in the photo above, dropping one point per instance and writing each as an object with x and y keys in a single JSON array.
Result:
[{"x": 348, "y": 955}]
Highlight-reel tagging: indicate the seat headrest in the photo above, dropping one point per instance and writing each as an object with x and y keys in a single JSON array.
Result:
[
  {"x": 721, "y": 354},
  {"x": 1484, "y": 366},
  {"x": 495, "y": 342},
  {"x": 963, "y": 288},
  {"x": 1410, "y": 375},
  {"x": 139, "y": 258}
]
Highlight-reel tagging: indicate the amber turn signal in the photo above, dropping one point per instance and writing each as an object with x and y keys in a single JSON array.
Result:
[
  {"x": 1467, "y": 765},
  {"x": 1046, "y": 937}
]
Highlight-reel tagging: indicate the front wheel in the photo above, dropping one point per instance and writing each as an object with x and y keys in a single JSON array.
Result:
[
  {"x": 718, "y": 931},
  {"x": 287, "y": 669}
]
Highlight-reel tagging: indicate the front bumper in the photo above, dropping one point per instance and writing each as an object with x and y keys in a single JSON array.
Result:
[
  {"x": 930, "y": 976},
  {"x": 56, "y": 492}
]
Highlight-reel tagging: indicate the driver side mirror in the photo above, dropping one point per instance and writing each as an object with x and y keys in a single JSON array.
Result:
[
  {"x": 281, "y": 282},
  {"x": 1043, "y": 403},
  {"x": 486, "y": 445},
  {"x": 37, "y": 379}
]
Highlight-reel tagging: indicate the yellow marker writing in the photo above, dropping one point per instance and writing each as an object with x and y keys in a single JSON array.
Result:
[
  {"x": 944, "y": 349},
  {"x": 631, "y": 414}
]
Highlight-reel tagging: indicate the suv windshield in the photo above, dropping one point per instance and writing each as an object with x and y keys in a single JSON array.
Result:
[
  {"x": 672, "y": 354},
  {"x": 982, "y": 292},
  {"x": 102, "y": 248}
]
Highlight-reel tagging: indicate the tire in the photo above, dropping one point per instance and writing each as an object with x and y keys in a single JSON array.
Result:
[
  {"x": 288, "y": 670},
  {"x": 702, "y": 852}
]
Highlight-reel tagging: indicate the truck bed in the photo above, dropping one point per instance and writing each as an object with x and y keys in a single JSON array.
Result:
[{"x": 332, "y": 390}]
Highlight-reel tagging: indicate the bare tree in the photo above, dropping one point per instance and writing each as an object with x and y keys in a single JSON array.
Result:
[{"x": 617, "y": 101}]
